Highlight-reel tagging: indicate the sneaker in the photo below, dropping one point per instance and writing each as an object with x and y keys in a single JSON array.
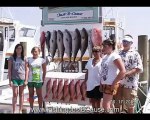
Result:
[
  {"x": 41, "y": 111},
  {"x": 31, "y": 111},
  {"x": 20, "y": 111}
]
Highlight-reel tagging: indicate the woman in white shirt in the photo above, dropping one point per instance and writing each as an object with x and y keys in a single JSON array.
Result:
[
  {"x": 112, "y": 71},
  {"x": 92, "y": 78}
]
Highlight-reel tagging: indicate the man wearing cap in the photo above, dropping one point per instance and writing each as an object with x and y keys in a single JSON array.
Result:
[{"x": 127, "y": 91}]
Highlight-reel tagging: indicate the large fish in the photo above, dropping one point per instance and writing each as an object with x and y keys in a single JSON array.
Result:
[
  {"x": 48, "y": 36},
  {"x": 60, "y": 89},
  {"x": 60, "y": 46},
  {"x": 53, "y": 44},
  {"x": 90, "y": 43},
  {"x": 42, "y": 43},
  {"x": 48, "y": 88},
  {"x": 84, "y": 42},
  {"x": 77, "y": 90},
  {"x": 72, "y": 90},
  {"x": 76, "y": 43},
  {"x": 96, "y": 37},
  {"x": 54, "y": 89},
  {"x": 83, "y": 90},
  {"x": 65, "y": 89},
  {"x": 67, "y": 40}
]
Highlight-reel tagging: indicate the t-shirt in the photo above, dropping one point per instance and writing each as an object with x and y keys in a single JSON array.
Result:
[
  {"x": 35, "y": 69},
  {"x": 18, "y": 68},
  {"x": 93, "y": 74},
  {"x": 131, "y": 59},
  {"x": 109, "y": 69}
]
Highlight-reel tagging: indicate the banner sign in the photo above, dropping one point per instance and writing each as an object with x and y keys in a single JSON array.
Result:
[
  {"x": 71, "y": 15},
  {"x": 74, "y": 15}
]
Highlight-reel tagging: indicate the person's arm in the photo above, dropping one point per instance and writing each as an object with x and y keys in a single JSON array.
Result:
[
  {"x": 119, "y": 63},
  {"x": 132, "y": 72},
  {"x": 44, "y": 70},
  {"x": 86, "y": 75},
  {"x": 26, "y": 72},
  {"x": 9, "y": 70}
]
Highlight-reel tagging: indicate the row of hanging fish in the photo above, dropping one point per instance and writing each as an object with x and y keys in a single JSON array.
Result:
[
  {"x": 62, "y": 89},
  {"x": 70, "y": 43}
]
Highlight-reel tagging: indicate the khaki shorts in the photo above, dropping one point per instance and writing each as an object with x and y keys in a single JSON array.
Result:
[
  {"x": 107, "y": 89},
  {"x": 125, "y": 96}
]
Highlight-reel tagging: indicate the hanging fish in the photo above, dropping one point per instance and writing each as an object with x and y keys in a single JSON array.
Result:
[
  {"x": 42, "y": 42},
  {"x": 61, "y": 48},
  {"x": 96, "y": 37},
  {"x": 48, "y": 36},
  {"x": 67, "y": 40},
  {"x": 53, "y": 44},
  {"x": 90, "y": 43}
]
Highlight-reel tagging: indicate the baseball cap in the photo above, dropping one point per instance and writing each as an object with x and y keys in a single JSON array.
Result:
[{"x": 128, "y": 38}]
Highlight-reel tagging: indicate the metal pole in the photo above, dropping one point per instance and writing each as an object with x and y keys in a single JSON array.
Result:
[
  {"x": 149, "y": 64},
  {"x": 143, "y": 50}
]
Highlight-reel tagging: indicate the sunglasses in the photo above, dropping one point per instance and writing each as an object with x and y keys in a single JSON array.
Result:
[
  {"x": 126, "y": 42},
  {"x": 95, "y": 51}
]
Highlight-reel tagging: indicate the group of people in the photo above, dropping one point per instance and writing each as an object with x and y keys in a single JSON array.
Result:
[
  {"x": 24, "y": 72},
  {"x": 112, "y": 77}
]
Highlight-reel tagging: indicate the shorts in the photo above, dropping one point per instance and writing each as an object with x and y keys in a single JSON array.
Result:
[
  {"x": 95, "y": 93},
  {"x": 17, "y": 82},
  {"x": 126, "y": 96},
  {"x": 34, "y": 84},
  {"x": 107, "y": 89}
]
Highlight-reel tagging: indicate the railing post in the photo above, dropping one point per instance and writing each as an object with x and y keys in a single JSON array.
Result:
[{"x": 143, "y": 51}]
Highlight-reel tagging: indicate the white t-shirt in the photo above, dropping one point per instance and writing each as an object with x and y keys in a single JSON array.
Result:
[
  {"x": 131, "y": 59},
  {"x": 35, "y": 69},
  {"x": 93, "y": 74},
  {"x": 109, "y": 69}
]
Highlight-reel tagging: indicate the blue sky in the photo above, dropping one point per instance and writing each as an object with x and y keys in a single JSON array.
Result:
[{"x": 137, "y": 19}]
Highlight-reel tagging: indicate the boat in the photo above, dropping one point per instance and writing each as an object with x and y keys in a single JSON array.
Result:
[{"x": 13, "y": 32}]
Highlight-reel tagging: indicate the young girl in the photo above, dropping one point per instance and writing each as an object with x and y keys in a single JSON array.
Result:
[
  {"x": 37, "y": 72},
  {"x": 16, "y": 73},
  {"x": 92, "y": 78},
  {"x": 113, "y": 70}
]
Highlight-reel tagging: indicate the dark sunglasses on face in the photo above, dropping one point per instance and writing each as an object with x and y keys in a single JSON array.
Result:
[
  {"x": 126, "y": 42},
  {"x": 96, "y": 51}
]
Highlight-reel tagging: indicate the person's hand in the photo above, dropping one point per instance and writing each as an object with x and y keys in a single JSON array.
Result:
[
  {"x": 113, "y": 86},
  {"x": 25, "y": 83},
  {"x": 127, "y": 74},
  {"x": 10, "y": 83}
]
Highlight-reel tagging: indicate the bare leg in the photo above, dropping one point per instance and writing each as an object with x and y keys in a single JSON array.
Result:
[
  {"x": 21, "y": 97},
  {"x": 131, "y": 109},
  {"x": 107, "y": 99},
  {"x": 14, "y": 99},
  {"x": 93, "y": 102},
  {"x": 39, "y": 94},
  {"x": 97, "y": 105},
  {"x": 118, "y": 98},
  {"x": 31, "y": 99}
]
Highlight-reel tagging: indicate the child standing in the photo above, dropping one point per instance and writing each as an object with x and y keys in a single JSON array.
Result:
[{"x": 37, "y": 72}]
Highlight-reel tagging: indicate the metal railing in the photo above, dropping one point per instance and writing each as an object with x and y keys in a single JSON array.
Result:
[{"x": 138, "y": 107}]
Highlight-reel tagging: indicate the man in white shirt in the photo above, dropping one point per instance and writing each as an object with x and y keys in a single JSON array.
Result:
[{"x": 127, "y": 91}]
